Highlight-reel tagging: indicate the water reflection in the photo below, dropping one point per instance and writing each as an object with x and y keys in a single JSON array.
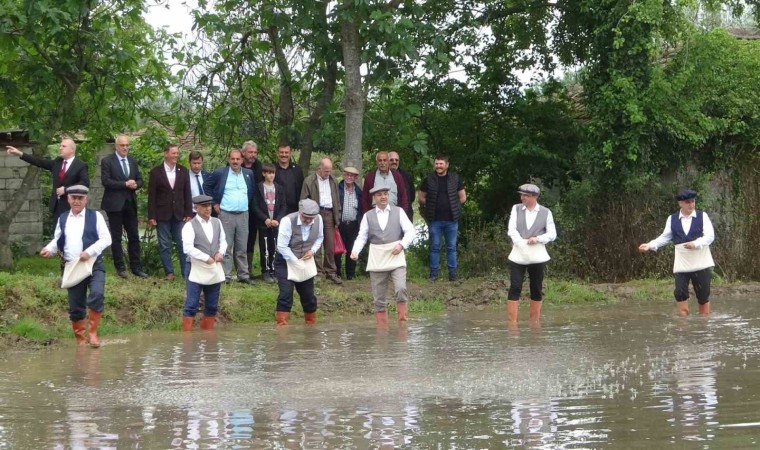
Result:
[{"x": 584, "y": 378}]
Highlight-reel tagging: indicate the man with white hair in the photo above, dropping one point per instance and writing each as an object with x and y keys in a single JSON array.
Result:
[
  {"x": 531, "y": 227},
  {"x": 67, "y": 170},
  {"x": 82, "y": 235}
]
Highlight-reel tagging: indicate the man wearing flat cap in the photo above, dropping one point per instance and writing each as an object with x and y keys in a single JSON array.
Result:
[
  {"x": 350, "y": 195},
  {"x": 441, "y": 196},
  {"x": 204, "y": 244},
  {"x": 531, "y": 227},
  {"x": 299, "y": 238},
  {"x": 692, "y": 233},
  {"x": 389, "y": 231},
  {"x": 82, "y": 235}
]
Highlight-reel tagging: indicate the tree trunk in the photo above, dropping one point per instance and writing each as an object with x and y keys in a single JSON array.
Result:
[
  {"x": 285, "y": 121},
  {"x": 354, "y": 104},
  {"x": 330, "y": 76}
]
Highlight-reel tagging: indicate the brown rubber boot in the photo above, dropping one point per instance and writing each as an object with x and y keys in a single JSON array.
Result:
[
  {"x": 310, "y": 318},
  {"x": 704, "y": 310},
  {"x": 512, "y": 310},
  {"x": 402, "y": 308},
  {"x": 282, "y": 317},
  {"x": 683, "y": 308},
  {"x": 94, "y": 319},
  {"x": 535, "y": 310},
  {"x": 208, "y": 322},
  {"x": 381, "y": 317},
  {"x": 187, "y": 323},
  {"x": 79, "y": 331}
]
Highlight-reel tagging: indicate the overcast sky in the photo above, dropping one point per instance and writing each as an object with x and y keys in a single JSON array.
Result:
[{"x": 174, "y": 15}]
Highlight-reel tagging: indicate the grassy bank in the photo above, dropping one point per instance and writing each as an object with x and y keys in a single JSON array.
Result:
[{"x": 34, "y": 309}]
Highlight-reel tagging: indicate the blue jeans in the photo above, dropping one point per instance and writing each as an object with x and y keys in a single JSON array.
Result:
[
  {"x": 168, "y": 229},
  {"x": 448, "y": 230},
  {"x": 193, "y": 297}
]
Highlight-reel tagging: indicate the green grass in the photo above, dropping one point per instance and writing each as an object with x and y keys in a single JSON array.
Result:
[{"x": 29, "y": 328}]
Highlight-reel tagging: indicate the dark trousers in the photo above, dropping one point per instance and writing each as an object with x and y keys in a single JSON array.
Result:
[
  {"x": 253, "y": 228},
  {"x": 267, "y": 249},
  {"x": 700, "y": 279},
  {"x": 536, "y": 275},
  {"x": 285, "y": 298},
  {"x": 79, "y": 301},
  {"x": 167, "y": 231},
  {"x": 325, "y": 257},
  {"x": 126, "y": 219},
  {"x": 193, "y": 297},
  {"x": 348, "y": 232}
]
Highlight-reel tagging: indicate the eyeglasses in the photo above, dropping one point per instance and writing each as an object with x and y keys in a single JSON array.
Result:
[
  {"x": 347, "y": 174},
  {"x": 393, "y": 160}
]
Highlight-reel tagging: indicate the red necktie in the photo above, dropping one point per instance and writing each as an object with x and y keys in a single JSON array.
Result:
[{"x": 62, "y": 172}]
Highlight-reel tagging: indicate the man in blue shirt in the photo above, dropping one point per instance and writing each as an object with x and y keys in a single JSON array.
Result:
[{"x": 232, "y": 188}]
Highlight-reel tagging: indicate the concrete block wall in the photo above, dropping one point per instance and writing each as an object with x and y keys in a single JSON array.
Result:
[{"x": 26, "y": 228}]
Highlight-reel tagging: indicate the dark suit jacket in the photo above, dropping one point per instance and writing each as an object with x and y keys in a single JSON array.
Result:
[
  {"x": 165, "y": 202},
  {"x": 76, "y": 173},
  {"x": 112, "y": 176},
  {"x": 218, "y": 180},
  {"x": 409, "y": 186},
  {"x": 369, "y": 183},
  {"x": 260, "y": 205}
]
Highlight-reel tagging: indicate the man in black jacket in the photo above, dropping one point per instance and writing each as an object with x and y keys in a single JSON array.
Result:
[
  {"x": 394, "y": 161},
  {"x": 290, "y": 177},
  {"x": 67, "y": 170},
  {"x": 121, "y": 179}
]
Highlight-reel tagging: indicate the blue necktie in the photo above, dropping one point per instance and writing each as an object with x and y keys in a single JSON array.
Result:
[{"x": 200, "y": 186}]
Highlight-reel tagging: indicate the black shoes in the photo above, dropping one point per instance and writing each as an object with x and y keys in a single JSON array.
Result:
[
  {"x": 138, "y": 273},
  {"x": 121, "y": 273},
  {"x": 247, "y": 281}
]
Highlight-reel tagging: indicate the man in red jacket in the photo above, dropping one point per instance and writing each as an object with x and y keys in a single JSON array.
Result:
[
  {"x": 384, "y": 176},
  {"x": 170, "y": 205}
]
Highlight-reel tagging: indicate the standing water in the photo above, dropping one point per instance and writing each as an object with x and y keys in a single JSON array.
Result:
[{"x": 613, "y": 376}]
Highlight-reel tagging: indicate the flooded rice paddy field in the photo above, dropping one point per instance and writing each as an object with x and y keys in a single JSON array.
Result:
[{"x": 622, "y": 376}]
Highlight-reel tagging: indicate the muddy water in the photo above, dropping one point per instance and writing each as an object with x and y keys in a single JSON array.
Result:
[{"x": 589, "y": 377}]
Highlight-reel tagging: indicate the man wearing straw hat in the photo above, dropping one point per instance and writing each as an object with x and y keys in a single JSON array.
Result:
[
  {"x": 350, "y": 195},
  {"x": 300, "y": 236},
  {"x": 82, "y": 235},
  {"x": 531, "y": 227},
  {"x": 204, "y": 243},
  {"x": 692, "y": 233},
  {"x": 389, "y": 231}
]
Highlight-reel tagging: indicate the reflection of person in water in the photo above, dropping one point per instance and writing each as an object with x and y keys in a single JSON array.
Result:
[{"x": 692, "y": 233}]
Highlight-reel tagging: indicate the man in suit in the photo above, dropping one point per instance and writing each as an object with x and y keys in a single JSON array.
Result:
[
  {"x": 395, "y": 160},
  {"x": 232, "y": 188},
  {"x": 121, "y": 179},
  {"x": 169, "y": 207},
  {"x": 323, "y": 189},
  {"x": 384, "y": 176},
  {"x": 67, "y": 170},
  {"x": 198, "y": 176},
  {"x": 252, "y": 163}
]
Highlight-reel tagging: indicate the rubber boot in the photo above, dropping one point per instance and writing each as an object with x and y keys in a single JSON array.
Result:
[
  {"x": 94, "y": 318},
  {"x": 310, "y": 318},
  {"x": 704, "y": 310},
  {"x": 402, "y": 308},
  {"x": 208, "y": 322},
  {"x": 512, "y": 310},
  {"x": 535, "y": 310},
  {"x": 79, "y": 331},
  {"x": 683, "y": 308},
  {"x": 187, "y": 323},
  {"x": 381, "y": 317},
  {"x": 282, "y": 317}
]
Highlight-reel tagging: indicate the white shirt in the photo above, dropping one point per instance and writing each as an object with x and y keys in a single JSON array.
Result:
[
  {"x": 286, "y": 232},
  {"x": 382, "y": 219},
  {"x": 325, "y": 193},
  {"x": 171, "y": 174},
  {"x": 68, "y": 162},
  {"x": 122, "y": 162},
  {"x": 708, "y": 232},
  {"x": 74, "y": 231},
  {"x": 530, "y": 219},
  {"x": 188, "y": 238}
]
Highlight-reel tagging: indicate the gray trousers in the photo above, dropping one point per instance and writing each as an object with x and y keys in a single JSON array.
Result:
[
  {"x": 379, "y": 286},
  {"x": 236, "y": 231}
]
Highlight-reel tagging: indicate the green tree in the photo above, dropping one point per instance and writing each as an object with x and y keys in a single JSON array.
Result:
[{"x": 74, "y": 67}]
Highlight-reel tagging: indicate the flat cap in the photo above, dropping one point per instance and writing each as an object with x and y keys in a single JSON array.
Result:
[
  {"x": 529, "y": 189},
  {"x": 351, "y": 169},
  {"x": 77, "y": 189},
  {"x": 308, "y": 207},
  {"x": 686, "y": 194},
  {"x": 202, "y": 199},
  {"x": 378, "y": 189}
]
